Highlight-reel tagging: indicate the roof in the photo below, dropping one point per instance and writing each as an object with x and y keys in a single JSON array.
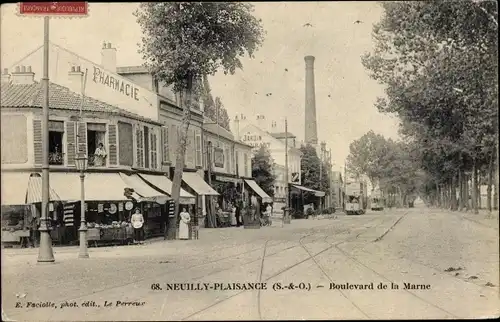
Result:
[
  {"x": 212, "y": 127},
  {"x": 131, "y": 70},
  {"x": 282, "y": 135},
  {"x": 31, "y": 95}
]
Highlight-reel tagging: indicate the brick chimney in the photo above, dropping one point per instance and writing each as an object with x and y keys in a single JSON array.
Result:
[
  {"x": 76, "y": 79},
  {"x": 5, "y": 76},
  {"x": 311, "y": 131},
  {"x": 274, "y": 127},
  {"x": 261, "y": 122},
  {"x": 23, "y": 75},
  {"x": 108, "y": 57}
]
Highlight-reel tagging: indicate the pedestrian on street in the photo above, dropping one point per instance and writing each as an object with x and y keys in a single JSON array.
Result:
[
  {"x": 234, "y": 220},
  {"x": 138, "y": 223},
  {"x": 238, "y": 214},
  {"x": 184, "y": 224}
]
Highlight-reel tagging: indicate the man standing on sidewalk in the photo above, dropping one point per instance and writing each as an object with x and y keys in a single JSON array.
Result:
[{"x": 138, "y": 222}]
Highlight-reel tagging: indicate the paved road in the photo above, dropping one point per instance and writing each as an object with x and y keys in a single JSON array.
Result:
[{"x": 386, "y": 248}]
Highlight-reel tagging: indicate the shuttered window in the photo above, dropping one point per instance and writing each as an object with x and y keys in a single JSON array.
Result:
[
  {"x": 165, "y": 153},
  {"x": 112, "y": 144},
  {"x": 227, "y": 157},
  {"x": 198, "y": 151},
  {"x": 153, "y": 150},
  {"x": 245, "y": 160},
  {"x": 70, "y": 142},
  {"x": 37, "y": 141},
  {"x": 82, "y": 138},
  {"x": 139, "y": 138}
]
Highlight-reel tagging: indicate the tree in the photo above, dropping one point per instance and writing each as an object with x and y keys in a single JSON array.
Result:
[
  {"x": 439, "y": 62},
  {"x": 365, "y": 156},
  {"x": 262, "y": 170},
  {"x": 214, "y": 109},
  {"x": 310, "y": 170},
  {"x": 183, "y": 42},
  {"x": 223, "y": 117}
]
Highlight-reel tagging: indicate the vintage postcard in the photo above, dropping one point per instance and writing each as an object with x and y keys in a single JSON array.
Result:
[{"x": 249, "y": 161}]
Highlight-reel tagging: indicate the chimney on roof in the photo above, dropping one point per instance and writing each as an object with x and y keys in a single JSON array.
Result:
[
  {"x": 261, "y": 122},
  {"x": 75, "y": 79},
  {"x": 5, "y": 76},
  {"x": 236, "y": 128},
  {"x": 108, "y": 57},
  {"x": 23, "y": 75},
  {"x": 274, "y": 127}
]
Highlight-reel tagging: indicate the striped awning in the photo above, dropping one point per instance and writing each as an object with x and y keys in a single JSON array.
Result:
[
  {"x": 34, "y": 194},
  {"x": 143, "y": 189},
  {"x": 258, "y": 190},
  {"x": 14, "y": 187},
  {"x": 164, "y": 184}
]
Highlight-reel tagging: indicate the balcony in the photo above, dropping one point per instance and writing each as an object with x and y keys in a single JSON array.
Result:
[
  {"x": 56, "y": 158},
  {"x": 96, "y": 161}
]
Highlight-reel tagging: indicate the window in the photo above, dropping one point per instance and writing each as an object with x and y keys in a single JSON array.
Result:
[
  {"x": 146, "y": 146},
  {"x": 153, "y": 163},
  {"x": 139, "y": 138},
  {"x": 198, "y": 152},
  {"x": 96, "y": 145},
  {"x": 56, "y": 133},
  {"x": 165, "y": 153}
]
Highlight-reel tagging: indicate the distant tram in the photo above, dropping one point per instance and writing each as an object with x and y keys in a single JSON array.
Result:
[{"x": 377, "y": 201}]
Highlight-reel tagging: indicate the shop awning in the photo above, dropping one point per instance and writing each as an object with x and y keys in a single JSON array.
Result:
[
  {"x": 143, "y": 189},
  {"x": 14, "y": 187},
  {"x": 316, "y": 192},
  {"x": 164, "y": 184},
  {"x": 35, "y": 191},
  {"x": 98, "y": 186},
  {"x": 258, "y": 190},
  {"x": 195, "y": 182}
]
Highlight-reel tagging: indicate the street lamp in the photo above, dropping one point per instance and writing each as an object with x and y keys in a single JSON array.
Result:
[{"x": 81, "y": 164}]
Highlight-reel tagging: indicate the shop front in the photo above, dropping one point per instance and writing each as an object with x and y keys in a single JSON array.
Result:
[
  {"x": 304, "y": 201},
  {"x": 110, "y": 200},
  {"x": 195, "y": 185},
  {"x": 257, "y": 199},
  {"x": 230, "y": 189}
]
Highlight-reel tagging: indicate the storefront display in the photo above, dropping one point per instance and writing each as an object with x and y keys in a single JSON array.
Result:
[{"x": 15, "y": 223}]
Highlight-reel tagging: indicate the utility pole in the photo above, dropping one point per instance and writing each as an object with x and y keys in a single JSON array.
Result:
[
  {"x": 45, "y": 252},
  {"x": 286, "y": 212}
]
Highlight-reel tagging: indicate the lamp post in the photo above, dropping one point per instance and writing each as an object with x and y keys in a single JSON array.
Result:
[{"x": 81, "y": 164}]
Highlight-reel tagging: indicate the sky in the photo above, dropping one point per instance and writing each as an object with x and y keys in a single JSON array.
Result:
[{"x": 345, "y": 94}]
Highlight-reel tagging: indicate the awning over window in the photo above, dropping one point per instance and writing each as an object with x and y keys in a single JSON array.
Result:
[
  {"x": 14, "y": 187},
  {"x": 258, "y": 190},
  {"x": 143, "y": 189},
  {"x": 98, "y": 186},
  {"x": 316, "y": 192},
  {"x": 35, "y": 191},
  {"x": 195, "y": 182},
  {"x": 163, "y": 183}
]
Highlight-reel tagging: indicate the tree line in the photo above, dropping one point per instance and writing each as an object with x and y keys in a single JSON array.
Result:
[{"x": 438, "y": 61}]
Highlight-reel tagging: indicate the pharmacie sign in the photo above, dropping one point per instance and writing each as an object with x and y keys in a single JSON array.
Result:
[{"x": 101, "y": 77}]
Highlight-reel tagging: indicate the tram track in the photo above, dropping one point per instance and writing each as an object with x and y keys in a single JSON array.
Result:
[
  {"x": 310, "y": 256},
  {"x": 158, "y": 276}
]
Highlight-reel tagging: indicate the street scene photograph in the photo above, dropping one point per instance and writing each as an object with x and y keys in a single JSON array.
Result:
[{"x": 168, "y": 161}]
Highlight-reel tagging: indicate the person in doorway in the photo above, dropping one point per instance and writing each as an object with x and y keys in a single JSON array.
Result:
[
  {"x": 138, "y": 222},
  {"x": 100, "y": 155},
  {"x": 184, "y": 224},
  {"x": 238, "y": 207}
]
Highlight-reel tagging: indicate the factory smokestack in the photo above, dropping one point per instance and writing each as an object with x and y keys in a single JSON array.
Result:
[{"x": 311, "y": 131}]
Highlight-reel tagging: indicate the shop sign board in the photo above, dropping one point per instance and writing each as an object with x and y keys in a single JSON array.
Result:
[{"x": 219, "y": 157}]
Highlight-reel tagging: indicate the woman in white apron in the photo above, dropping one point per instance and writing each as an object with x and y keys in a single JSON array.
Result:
[
  {"x": 184, "y": 224},
  {"x": 234, "y": 222}
]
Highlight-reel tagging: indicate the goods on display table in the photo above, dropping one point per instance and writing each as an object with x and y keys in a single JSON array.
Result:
[
  {"x": 15, "y": 223},
  {"x": 114, "y": 232}
]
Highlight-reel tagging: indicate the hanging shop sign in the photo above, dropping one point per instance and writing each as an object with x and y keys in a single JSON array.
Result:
[
  {"x": 219, "y": 157},
  {"x": 112, "y": 208}
]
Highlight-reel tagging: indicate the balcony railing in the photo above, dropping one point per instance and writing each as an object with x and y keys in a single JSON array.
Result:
[
  {"x": 56, "y": 158},
  {"x": 96, "y": 161}
]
